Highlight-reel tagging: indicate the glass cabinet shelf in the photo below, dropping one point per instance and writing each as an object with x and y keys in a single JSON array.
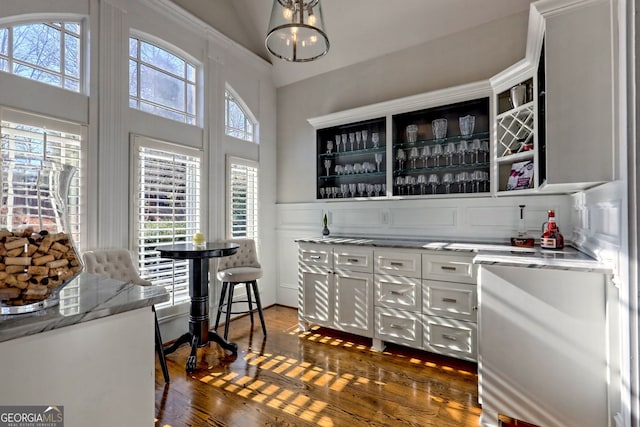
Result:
[
  {"x": 352, "y": 176},
  {"x": 456, "y": 167},
  {"x": 356, "y": 152},
  {"x": 442, "y": 141}
]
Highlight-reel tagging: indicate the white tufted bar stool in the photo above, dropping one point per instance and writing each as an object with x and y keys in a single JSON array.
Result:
[
  {"x": 240, "y": 268},
  {"x": 117, "y": 264}
]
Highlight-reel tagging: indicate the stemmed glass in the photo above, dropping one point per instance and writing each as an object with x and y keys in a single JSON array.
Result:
[
  {"x": 436, "y": 151},
  {"x": 369, "y": 190},
  {"x": 400, "y": 184},
  {"x": 344, "y": 189},
  {"x": 377, "y": 188},
  {"x": 449, "y": 151},
  {"x": 447, "y": 180},
  {"x": 463, "y": 148},
  {"x": 378, "y": 157},
  {"x": 352, "y": 139},
  {"x": 433, "y": 181},
  {"x": 322, "y": 192},
  {"x": 413, "y": 156},
  {"x": 361, "y": 187},
  {"x": 352, "y": 190},
  {"x": 327, "y": 165},
  {"x": 422, "y": 180},
  {"x": 375, "y": 138},
  {"x": 475, "y": 149},
  {"x": 425, "y": 153},
  {"x": 484, "y": 148},
  {"x": 365, "y": 133},
  {"x": 337, "y": 142},
  {"x": 462, "y": 178},
  {"x": 358, "y": 139},
  {"x": 401, "y": 157},
  {"x": 476, "y": 178},
  {"x": 329, "y": 146},
  {"x": 344, "y": 142}
]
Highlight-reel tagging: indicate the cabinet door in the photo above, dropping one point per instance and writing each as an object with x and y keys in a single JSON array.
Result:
[
  {"x": 315, "y": 303},
  {"x": 579, "y": 95},
  {"x": 353, "y": 309}
]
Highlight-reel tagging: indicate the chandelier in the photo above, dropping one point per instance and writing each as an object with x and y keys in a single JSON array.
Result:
[{"x": 296, "y": 31}]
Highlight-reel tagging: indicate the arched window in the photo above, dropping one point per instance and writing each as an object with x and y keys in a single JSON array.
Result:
[
  {"x": 161, "y": 82},
  {"x": 238, "y": 120},
  {"x": 49, "y": 52}
]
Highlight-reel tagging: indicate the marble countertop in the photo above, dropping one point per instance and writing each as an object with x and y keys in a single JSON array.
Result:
[
  {"x": 84, "y": 298},
  {"x": 486, "y": 252}
]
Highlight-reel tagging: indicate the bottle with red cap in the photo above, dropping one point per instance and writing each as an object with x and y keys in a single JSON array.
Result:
[{"x": 551, "y": 237}]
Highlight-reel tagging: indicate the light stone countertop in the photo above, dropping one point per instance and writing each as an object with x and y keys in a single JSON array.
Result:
[
  {"x": 84, "y": 298},
  {"x": 487, "y": 253}
]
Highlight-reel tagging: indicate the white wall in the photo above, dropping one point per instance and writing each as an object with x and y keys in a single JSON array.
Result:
[{"x": 111, "y": 123}]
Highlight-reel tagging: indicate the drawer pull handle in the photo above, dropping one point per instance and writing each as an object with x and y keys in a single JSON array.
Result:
[
  {"x": 395, "y": 326},
  {"x": 449, "y": 337},
  {"x": 352, "y": 260},
  {"x": 314, "y": 257},
  {"x": 448, "y": 268},
  {"x": 396, "y": 264},
  {"x": 397, "y": 293},
  {"x": 451, "y": 300}
]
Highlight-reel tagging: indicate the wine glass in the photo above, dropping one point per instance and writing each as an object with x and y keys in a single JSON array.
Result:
[
  {"x": 339, "y": 169},
  {"x": 327, "y": 165},
  {"x": 322, "y": 192},
  {"x": 413, "y": 156},
  {"x": 344, "y": 189},
  {"x": 352, "y": 189},
  {"x": 422, "y": 180},
  {"x": 357, "y": 168},
  {"x": 400, "y": 184},
  {"x": 401, "y": 157},
  {"x": 436, "y": 152},
  {"x": 425, "y": 153},
  {"x": 463, "y": 149},
  {"x": 484, "y": 148},
  {"x": 378, "y": 157},
  {"x": 344, "y": 142},
  {"x": 365, "y": 133},
  {"x": 410, "y": 182},
  {"x": 369, "y": 190},
  {"x": 476, "y": 179},
  {"x": 352, "y": 139},
  {"x": 447, "y": 180},
  {"x": 377, "y": 188},
  {"x": 361, "y": 187},
  {"x": 337, "y": 142},
  {"x": 433, "y": 180},
  {"x": 462, "y": 178},
  {"x": 329, "y": 146},
  {"x": 475, "y": 149},
  {"x": 449, "y": 151},
  {"x": 358, "y": 139},
  {"x": 375, "y": 139}
]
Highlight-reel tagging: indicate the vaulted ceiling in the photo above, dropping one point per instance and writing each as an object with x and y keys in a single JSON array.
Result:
[{"x": 358, "y": 30}]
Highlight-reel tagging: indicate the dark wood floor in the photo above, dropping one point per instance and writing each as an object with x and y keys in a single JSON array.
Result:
[{"x": 317, "y": 378}]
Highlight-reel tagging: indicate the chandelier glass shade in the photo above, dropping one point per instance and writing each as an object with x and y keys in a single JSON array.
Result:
[{"x": 296, "y": 31}]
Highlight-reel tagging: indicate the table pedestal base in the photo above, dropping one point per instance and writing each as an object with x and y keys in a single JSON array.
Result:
[{"x": 194, "y": 340}]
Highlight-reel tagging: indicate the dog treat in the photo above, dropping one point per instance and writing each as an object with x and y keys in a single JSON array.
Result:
[{"x": 33, "y": 264}]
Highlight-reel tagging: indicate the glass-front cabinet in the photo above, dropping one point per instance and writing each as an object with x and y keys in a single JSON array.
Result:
[
  {"x": 351, "y": 160},
  {"x": 442, "y": 150}
]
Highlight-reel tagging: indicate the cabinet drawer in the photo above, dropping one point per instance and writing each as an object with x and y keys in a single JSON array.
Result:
[
  {"x": 315, "y": 255},
  {"x": 397, "y": 263},
  {"x": 450, "y": 268},
  {"x": 398, "y": 326},
  {"x": 448, "y": 299},
  {"x": 398, "y": 292},
  {"x": 450, "y": 337},
  {"x": 353, "y": 259}
]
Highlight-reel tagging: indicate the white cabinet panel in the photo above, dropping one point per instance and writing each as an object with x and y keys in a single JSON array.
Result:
[
  {"x": 448, "y": 299},
  {"x": 316, "y": 302},
  {"x": 451, "y": 268},
  {"x": 353, "y": 299},
  {"x": 353, "y": 258},
  {"x": 450, "y": 337},
  {"x": 398, "y": 292},
  {"x": 398, "y": 326},
  {"x": 398, "y": 263}
]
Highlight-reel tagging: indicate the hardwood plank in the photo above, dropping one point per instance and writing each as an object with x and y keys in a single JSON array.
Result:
[{"x": 315, "y": 378}]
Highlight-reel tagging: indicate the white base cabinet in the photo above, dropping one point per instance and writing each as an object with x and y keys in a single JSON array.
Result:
[{"x": 542, "y": 346}]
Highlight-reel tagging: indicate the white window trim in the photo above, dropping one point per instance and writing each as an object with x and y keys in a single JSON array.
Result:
[{"x": 247, "y": 112}]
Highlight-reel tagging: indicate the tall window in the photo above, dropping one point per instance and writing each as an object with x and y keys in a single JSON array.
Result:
[
  {"x": 161, "y": 82},
  {"x": 242, "y": 177},
  {"x": 167, "y": 210},
  {"x": 239, "y": 123},
  {"x": 49, "y": 52},
  {"x": 27, "y": 138}
]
